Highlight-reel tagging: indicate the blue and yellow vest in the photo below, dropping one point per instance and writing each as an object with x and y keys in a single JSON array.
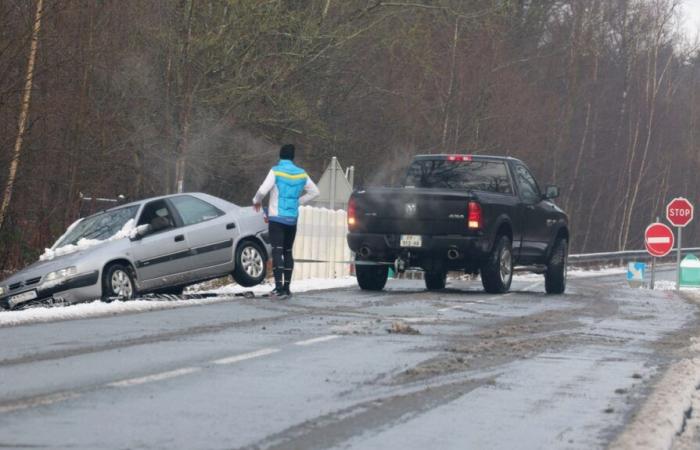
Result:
[{"x": 290, "y": 181}]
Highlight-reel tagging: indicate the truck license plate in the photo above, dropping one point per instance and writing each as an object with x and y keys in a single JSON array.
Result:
[
  {"x": 23, "y": 297},
  {"x": 411, "y": 240}
]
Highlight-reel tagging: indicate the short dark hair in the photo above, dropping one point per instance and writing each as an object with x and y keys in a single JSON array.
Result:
[{"x": 287, "y": 152}]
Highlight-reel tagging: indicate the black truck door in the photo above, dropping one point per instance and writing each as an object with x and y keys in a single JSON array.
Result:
[{"x": 533, "y": 215}]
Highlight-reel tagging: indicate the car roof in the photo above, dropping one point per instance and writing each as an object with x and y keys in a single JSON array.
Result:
[{"x": 146, "y": 200}]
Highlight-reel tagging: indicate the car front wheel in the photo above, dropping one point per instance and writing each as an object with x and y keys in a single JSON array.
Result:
[{"x": 118, "y": 282}]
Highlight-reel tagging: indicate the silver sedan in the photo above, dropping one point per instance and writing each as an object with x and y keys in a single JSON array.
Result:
[{"x": 160, "y": 244}]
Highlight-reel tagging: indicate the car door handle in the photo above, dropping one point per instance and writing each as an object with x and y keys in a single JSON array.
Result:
[
  {"x": 179, "y": 238},
  {"x": 230, "y": 226}
]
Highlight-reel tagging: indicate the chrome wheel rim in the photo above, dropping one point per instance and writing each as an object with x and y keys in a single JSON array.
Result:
[
  {"x": 121, "y": 284},
  {"x": 252, "y": 262},
  {"x": 506, "y": 269}
]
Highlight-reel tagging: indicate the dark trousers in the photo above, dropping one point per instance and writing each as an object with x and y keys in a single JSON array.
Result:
[{"x": 282, "y": 240}]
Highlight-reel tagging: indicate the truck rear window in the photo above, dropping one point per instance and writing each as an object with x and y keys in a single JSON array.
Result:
[{"x": 475, "y": 175}]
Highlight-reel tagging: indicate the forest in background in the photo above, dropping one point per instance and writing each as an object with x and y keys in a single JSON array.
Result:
[{"x": 601, "y": 97}]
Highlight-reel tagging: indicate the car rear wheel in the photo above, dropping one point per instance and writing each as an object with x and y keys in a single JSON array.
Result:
[
  {"x": 435, "y": 280},
  {"x": 250, "y": 264},
  {"x": 371, "y": 277},
  {"x": 497, "y": 273},
  {"x": 118, "y": 282},
  {"x": 555, "y": 276}
]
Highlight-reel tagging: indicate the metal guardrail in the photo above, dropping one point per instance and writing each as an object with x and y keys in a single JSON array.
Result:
[{"x": 624, "y": 256}]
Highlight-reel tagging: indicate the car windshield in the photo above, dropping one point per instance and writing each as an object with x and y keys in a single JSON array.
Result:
[
  {"x": 489, "y": 176},
  {"x": 100, "y": 226}
]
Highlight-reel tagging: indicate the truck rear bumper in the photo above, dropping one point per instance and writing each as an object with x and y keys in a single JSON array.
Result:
[{"x": 387, "y": 247}]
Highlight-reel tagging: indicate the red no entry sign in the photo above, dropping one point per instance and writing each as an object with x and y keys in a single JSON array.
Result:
[
  {"x": 679, "y": 212},
  {"x": 658, "y": 239}
]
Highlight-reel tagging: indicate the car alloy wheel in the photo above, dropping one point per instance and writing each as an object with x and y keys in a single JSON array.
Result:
[
  {"x": 252, "y": 260},
  {"x": 121, "y": 284}
]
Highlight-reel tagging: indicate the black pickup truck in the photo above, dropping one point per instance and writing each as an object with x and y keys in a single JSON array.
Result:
[{"x": 477, "y": 214}]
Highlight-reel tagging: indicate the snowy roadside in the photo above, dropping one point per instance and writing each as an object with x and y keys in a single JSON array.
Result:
[
  {"x": 668, "y": 418},
  {"x": 101, "y": 309}
]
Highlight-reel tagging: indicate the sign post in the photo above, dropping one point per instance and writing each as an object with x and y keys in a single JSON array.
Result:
[
  {"x": 658, "y": 239},
  {"x": 679, "y": 212}
]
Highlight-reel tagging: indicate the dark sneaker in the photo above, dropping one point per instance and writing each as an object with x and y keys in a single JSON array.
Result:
[
  {"x": 286, "y": 291},
  {"x": 278, "y": 293}
]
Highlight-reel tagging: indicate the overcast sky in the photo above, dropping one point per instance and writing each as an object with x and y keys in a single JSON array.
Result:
[{"x": 691, "y": 13}]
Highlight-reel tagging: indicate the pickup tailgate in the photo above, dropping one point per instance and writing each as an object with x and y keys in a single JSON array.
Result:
[{"x": 412, "y": 211}]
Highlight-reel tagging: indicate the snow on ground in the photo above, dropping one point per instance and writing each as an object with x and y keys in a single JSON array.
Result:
[
  {"x": 577, "y": 272},
  {"x": 661, "y": 418},
  {"x": 313, "y": 284},
  {"x": 101, "y": 309}
]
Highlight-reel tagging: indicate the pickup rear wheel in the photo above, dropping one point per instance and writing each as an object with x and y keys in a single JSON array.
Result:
[
  {"x": 555, "y": 276},
  {"x": 371, "y": 277},
  {"x": 434, "y": 281},
  {"x": 497, "y": 273}
]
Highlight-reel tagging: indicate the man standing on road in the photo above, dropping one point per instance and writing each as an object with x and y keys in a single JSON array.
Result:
[{"x": 285, "y": 183}]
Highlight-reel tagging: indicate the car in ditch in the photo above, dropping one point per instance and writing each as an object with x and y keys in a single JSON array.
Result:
[
  {"x": 157, "y": 245},
  {"x": 471, "y": 213}
]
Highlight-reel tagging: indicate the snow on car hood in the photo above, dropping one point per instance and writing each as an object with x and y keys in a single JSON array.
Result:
[{"x": 127, "y": 231}]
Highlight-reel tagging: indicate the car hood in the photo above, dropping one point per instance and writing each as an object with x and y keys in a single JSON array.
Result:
[{"x": 41, "y": 268}]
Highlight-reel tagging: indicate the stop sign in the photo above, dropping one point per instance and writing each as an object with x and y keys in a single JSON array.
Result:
[
  {"x": 658, "y": 239},
  {"x": 679, "y": 212}
]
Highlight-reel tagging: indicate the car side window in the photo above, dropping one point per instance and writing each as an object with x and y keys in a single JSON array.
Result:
[
  {"x": 157, "y": 215},
  {"x": 527, "y": 185},
  {"x": 193, "y": 210}
]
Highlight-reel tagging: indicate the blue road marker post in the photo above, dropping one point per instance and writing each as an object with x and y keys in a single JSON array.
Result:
[{"x": 635, "y": 274}]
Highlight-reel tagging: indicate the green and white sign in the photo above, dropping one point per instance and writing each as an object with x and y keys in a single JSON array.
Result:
[{"x": 690, "y": 271}]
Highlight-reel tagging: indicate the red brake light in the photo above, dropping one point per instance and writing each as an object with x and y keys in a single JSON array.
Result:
[
  {"x": 474, "y": 219},
  {"x": 352, "y": 213},
  {"x": 459, "y": 158}
]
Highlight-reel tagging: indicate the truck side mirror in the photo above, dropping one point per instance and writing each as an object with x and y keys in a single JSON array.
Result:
[{"x": 551, "y": 192}]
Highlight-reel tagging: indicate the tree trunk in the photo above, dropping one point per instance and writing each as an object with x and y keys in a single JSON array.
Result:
[{"x": 24, "y": 113}]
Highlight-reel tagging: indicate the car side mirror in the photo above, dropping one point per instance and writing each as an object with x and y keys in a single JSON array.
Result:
[
  {"x": 141, "y": 231},
  {"x": 551, "y": 192}
]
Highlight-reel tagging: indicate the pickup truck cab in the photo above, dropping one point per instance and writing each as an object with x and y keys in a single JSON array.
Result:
[{"x": 478, "y": 214}]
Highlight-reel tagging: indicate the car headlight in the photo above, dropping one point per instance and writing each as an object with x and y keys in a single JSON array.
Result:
[
  {"x": 60, "y": 274},
  {"x": 2, "y": 291}
]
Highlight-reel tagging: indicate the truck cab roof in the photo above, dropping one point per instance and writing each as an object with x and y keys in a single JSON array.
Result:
[{"x": 463, "y": 157}]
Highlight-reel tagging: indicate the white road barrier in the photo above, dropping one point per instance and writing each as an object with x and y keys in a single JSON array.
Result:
[{"x": 321, "y": 236}]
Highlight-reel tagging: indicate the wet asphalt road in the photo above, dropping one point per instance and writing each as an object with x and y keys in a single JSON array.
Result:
[{"x": 465, "y": 370}]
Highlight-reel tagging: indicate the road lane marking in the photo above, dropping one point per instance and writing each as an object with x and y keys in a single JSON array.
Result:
[
  {"x": 330, "y": 337},
  {"x": 245, "y": 356},
  {"x": 43, "y": 400},
  {"x": 155, "y": 377}
]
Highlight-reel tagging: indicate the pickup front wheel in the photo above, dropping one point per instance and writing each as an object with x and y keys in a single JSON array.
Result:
[
  {"x": 434, "y": 281},
  {"x": 371, "y": 277},
  {"x": 555, "y": 276},
  {"x": 497, "y": 273}
]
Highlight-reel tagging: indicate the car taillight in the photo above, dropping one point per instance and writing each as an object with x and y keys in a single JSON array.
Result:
[
  {"x": 474, "y": 219},
  {"x": 352, "y": 213}
]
